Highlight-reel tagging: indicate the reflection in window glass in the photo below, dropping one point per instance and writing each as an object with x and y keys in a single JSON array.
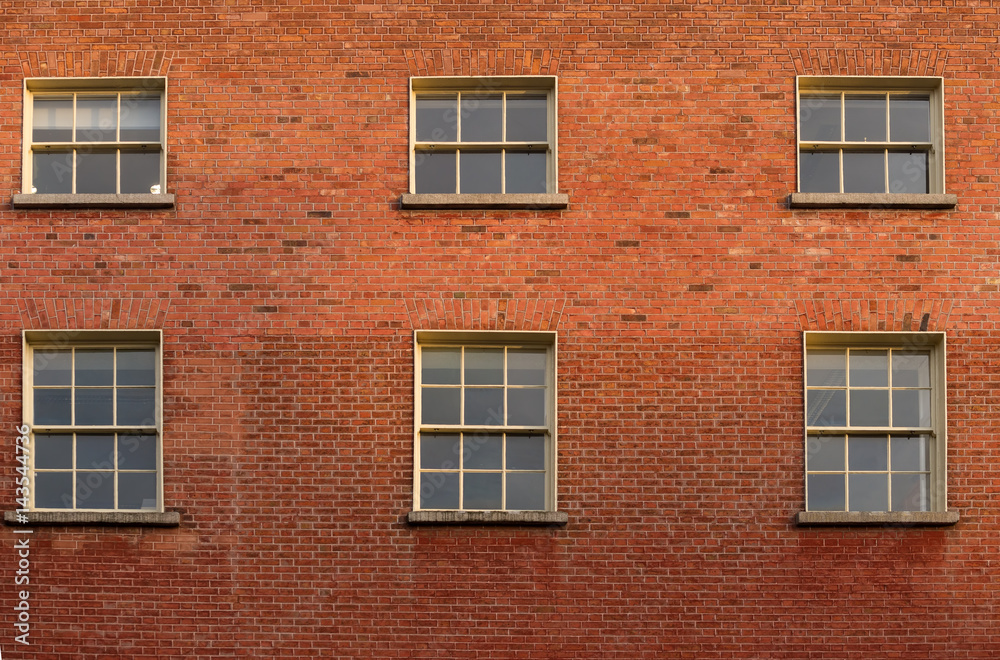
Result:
[
  {"x": 819, "y": 118},
  {"x": 864, "y": 118}
]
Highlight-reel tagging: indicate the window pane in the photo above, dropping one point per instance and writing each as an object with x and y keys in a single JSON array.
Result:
[
  {"x": 437, "y": 119},
  {"x": 867, "y": 452},
  {"x": 825, "y": 492},
  {"x": 137, "y": 406},
  {"x": 95, "y": 490},
  {"x": 439, "y": 490},
  {"x": 484, "y": 366},
  {"x": 137, "y": 367},
  {"x": 484, "y": 406},
  {"x": 136, "y": 451},
  {"x": 435, "y": 172},
  {"x": 864, "y": 119},
  {"x": 53, "y": 490},
  {"x": 826, "y": 408},
  {"x": 909, "y": 119},
  {"x": 52, "y": 172},
  {"x": 869, "y": 492},
  {"x": 95, "y": 406},
  {"x": 910, "y": 492},
  {"x": 482, "y": 118},
  {"x": 95, "y": 452},
  {"x": 140, "y": 171},
  {"x": 526, "y": 407},
  {"x": 440, "y": 366},
  {"x": 526, "y": 172},
  {"x": 53, "y": 451},
  {"x": 819, "y": 118},
  {"x": 819, "y": 171},
  {"x": 869, "y": 368},
  {"x": 52, "y": 120},
  {"x": 440, "y": 451},
  {"x": 526, "y": 366},
  {"x": 440, "y": 405},
  {"x": 911, "y": 408},
  {"x": 482, "y": 490},
  {"x": 911, "y": 369},
  {"x": 483, "y": 451},
  {"x": 911, "y": 454},
  {"x": 96, "y": 172},
  {"x": 526, "y": 491},
  {"x": 137, "y": 490},
  {"x": 825, "y": 453},
  {"x": 526, "y": 452},
  {"x": 870, "y": 408},
  {"x": 826, "y": 368},
  {"x": 864, "y": 172},
  {"x": 96, "y": 118},
  {"x": 908, "y": 172},
  {"x": 480, "y": 172},
  {"x": 527, "y": 118},
  {"x": 53, "y": 367},
  {"x": 53, "y": 406},
  {"x": 95, "y": 367},
  {"x": 140, "y": 119}
]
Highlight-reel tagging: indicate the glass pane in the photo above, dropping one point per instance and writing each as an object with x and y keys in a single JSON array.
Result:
[
  {"x": 825, "y": 453},
  {"x": 484, "y": 406},
  {"x": 909, "y": 119},
  {"x": 526, "y": 452},
  {"x": 52, "y": 120},
  {"x": 819, "y": 171},
  {"x": 867, "y": 452},
  {"x": 864, "y": 119},
  {"x": 434, "y": 172},
  {"x": 53, "y": 451},
  {"x": 137, "y": 490},
  {"x": 95, "y": 367},
  {"x": 864, "y": 172},
  {"x": 439, "y": 490},
  {"x": 825, "y": 492},
  {"x": 911, "y": 369},
  {"x": 137, "y": 367},
  {"x": 482, "y": 118},
  {"x": 52, "y": 172},
  {"x": 480, "y": 172},
  {"x": 140, "y": 171},
  {"x": 95, "y": 452},
  {"x": 908, "y": 172},
  {"x": 911, "y": 454},
  {"x": 53, "y": 406},
  {"x": 95, "y": 490},
  {"x": 819, "y": 118},
  {"x": 526, "y": 173},
  {"x": 96, "y": 118},
  {"x": 96, "y": 172},
  {"x": 440, "y": 405},
  {"x": 484, "y": 366},
  {"x": 910, "y": 492},
  {"x": 437, "y": 119},
  {"x": 483, "y": 451},
  {"x": 137, "y": 406},
  {"x": 53, "y": 490},
  {"x": 136, "y": 451},
  {"x": 869, "y": 408},
  {"x": 440, "y": 451},
  {"x": 527, "y": 118},
  {"x": 869, "y": 492},
  {"x": 440, "y": 366},
  {"x": 869, "y": 368},
  {"x": 526, "y": 491},
  {"x": 140, "y": 119},
  {"x": 826, "y": 408},
  {"x": 53, "y": 367},
  {"x": 911, "y": 408},
  {"x": 526, "y": 366},
  {"x": 826, "y": 368},
  {"x": 526, "y": 407},
  {"x": 95, "y": 406},
  {"x": 482, "y": 490}
]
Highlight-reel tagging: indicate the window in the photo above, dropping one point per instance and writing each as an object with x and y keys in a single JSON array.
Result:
[
  {"x": 485, "y": 422},
  {"x": 871, "y": 136},
  {"x": 92, "y": 141},
  {"x": 482, "y": 141},
  {"x": 875, "y": 427},
  {"x": 92, "y": 402}
]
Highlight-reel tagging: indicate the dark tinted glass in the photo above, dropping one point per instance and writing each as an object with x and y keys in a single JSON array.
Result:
[
  {"x": 819, "y": 172},
  {"x": 526, "y": 407},
  {"x": 437, "y": 118},
  {"x": 441, "y": 366},
  {"x": 96, "y": 118},
  {"x": 136, "y": 451},
  {"x": 440, "y": 405},
  {"x": 96, "y": 172},
  {"x": 95, "y": 452},
  {"x": 137, "y": 490},
  {"x": 909, "y": 119},
  {"x": 53, "y": 490},
  {"x": 52, "y": 172},
  {"x": 95, "y": 406},
  {"x": 140, "y": 171},
  {"x": 819, "y": 118},
  {"x": 864, "y": 119},
  {"x": 483, "y": 490},
  {"x": 95, "y": 367},
  {"x": 53, "y": 367},
  {"x": 825, "y": 453},
  {"x": 484, "y": 406},
  {"x": 53, "y": 406},
  {"x": 435, "y": 172},
  {"x": 95, "y": 490},
  {"x": 140, "y": 119},
  {"x": 52, "y": 120},
  {"x": 826, "y": 492},
  {"x": 439, "y": 490},
  {"x": 525, "y": 452},
  {"x": 137, "y": 367},
  {"x": 527, "y": 118},
  {"x": 525, "y": 172},
  {"x": 480, "y": 172},
  {"x": 440, "y": 451},
  {"x": 864, "y": 172},
  {"x": 482, "y": 118},
  {"x": 525, "y": 491},
  {"x": 483, "y": 452},
  {"x": 869, "y": 492},
  {"x": 908, "y": 172},
  {"x": 53, "y": 451}
]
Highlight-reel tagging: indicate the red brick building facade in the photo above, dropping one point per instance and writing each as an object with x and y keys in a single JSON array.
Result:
[{"x": 492, "y": 330}]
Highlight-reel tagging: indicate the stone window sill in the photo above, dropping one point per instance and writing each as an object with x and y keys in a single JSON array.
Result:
[
  {"x": 119, "y": 518},
  {"x": 131, "y": 201},
  {"x": 870, "y": 201},
  {"x": 474, "y": 201},
  {"x": 550, "y": 518},
  {"x": 876, "y": 518}
]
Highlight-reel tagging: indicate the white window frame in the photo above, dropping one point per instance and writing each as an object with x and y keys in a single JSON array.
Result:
[
  {"x": 537, "y": 340},
  {"x": 157, "y": 197},
  {"x": 34, "y": 341}
]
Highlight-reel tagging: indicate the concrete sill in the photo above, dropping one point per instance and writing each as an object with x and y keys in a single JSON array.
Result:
[
  {"x": 474, "y": 201},
  {"x": 876, "y": 518},
  {"x": 117, "y": 518},
  {"x": 131, "y": 201},
  {"x": 550, "y": 518},
  {"x": 870, "y": 201}
]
